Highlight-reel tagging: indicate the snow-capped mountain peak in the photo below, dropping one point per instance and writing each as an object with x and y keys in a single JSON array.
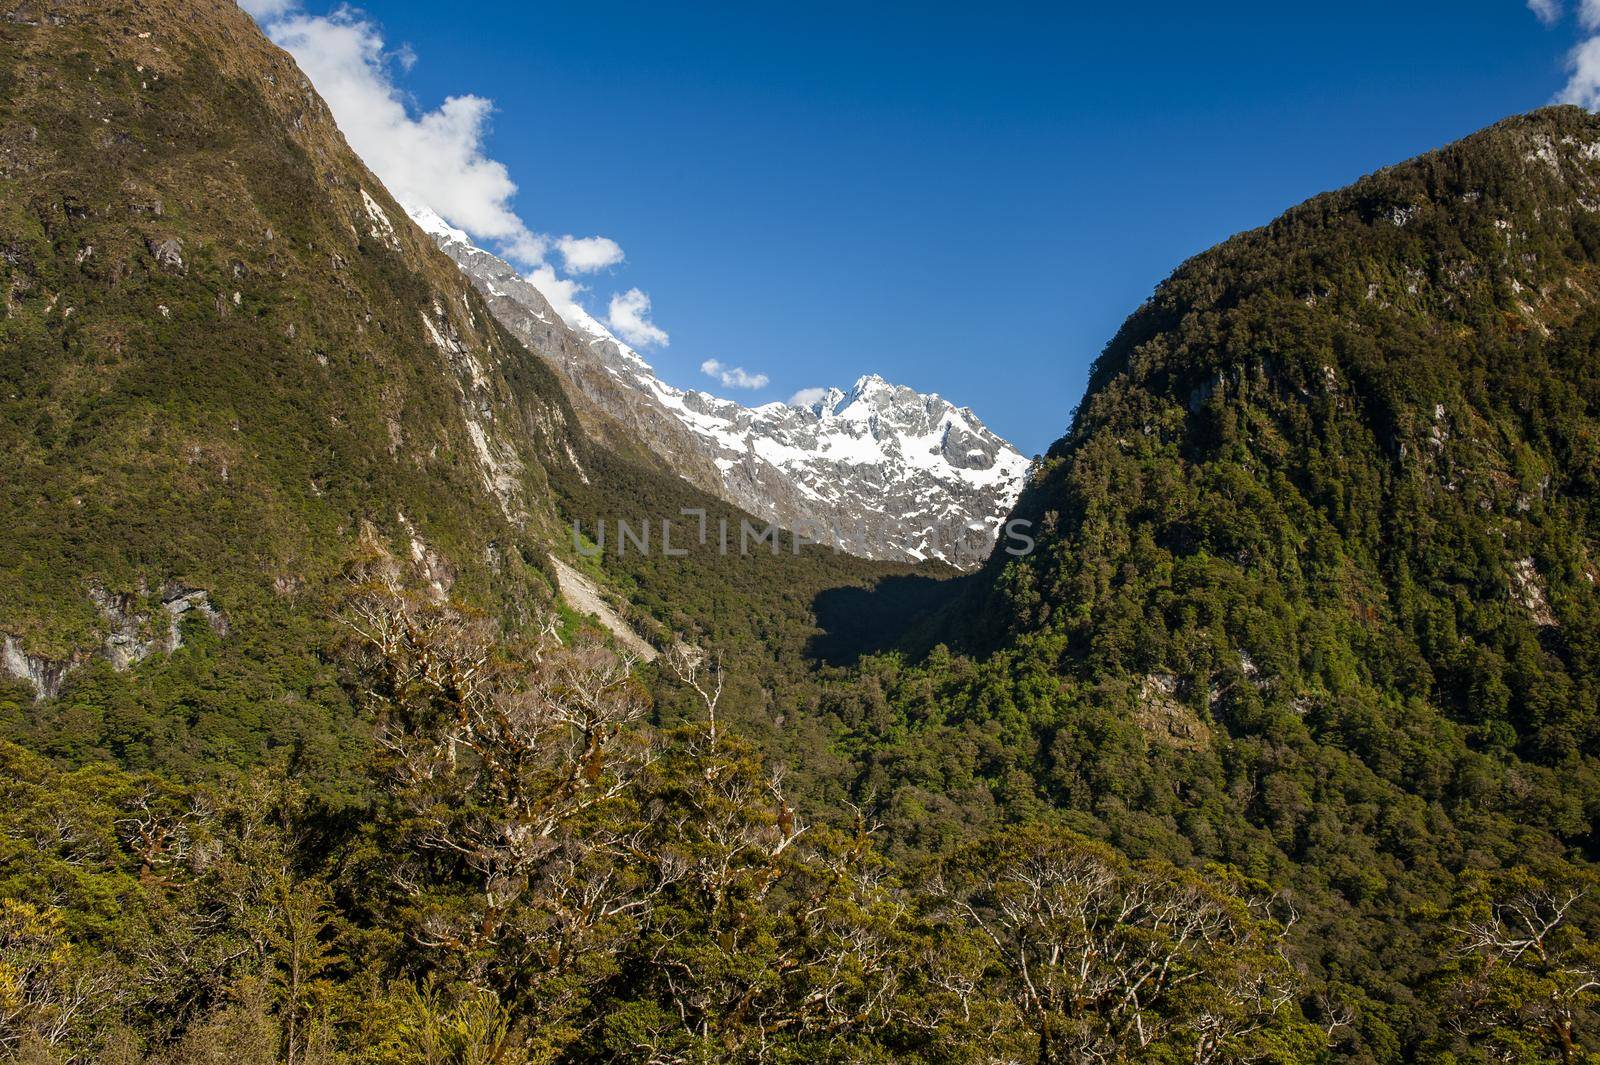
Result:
[
  {"x": 429, "y": 221},
  {"x": 829, "y": 403},
  {"x": 880, "y": 470}
]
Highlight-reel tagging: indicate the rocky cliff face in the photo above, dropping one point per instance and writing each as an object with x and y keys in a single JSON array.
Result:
[
  {"x": 881, "y": 471},
  {"x": 131, "y": 632}
]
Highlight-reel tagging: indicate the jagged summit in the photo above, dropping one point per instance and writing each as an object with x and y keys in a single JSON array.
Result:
[{"x": 883, "y": 470}]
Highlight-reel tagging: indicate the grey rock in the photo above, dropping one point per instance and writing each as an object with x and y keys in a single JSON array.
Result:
[
  {"x": 130, "y": 635},
  {"x": 44, "y": 674},
  {"x": 127, "y": 641},
  {"x": 168, "y": 253}
]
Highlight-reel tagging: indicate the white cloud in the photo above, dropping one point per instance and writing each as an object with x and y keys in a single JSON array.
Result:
[
  {"x": 562, "y": 292},
  {"x": 585, "y": 255},
  {"x": 1583, "y": 87},
  {"x": 436, "y": 158},
  {"x": 437, "y": 162},
  {"x": 1549, "y": 11},
  {"x": 630, "y": 319},
  {"x": 733, "y": 376},
  {"x": 267, "y": 9},
  {"x": 808, "y": 396}
]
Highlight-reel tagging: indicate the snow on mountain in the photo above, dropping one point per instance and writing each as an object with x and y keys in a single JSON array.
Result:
[{"x": 880, "y": 471}]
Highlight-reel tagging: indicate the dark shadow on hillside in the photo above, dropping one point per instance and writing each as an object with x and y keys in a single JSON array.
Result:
[{"x": 895, "y": 613}]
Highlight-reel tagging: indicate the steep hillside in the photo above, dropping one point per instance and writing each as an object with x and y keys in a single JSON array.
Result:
[
  {"x": 1315, "y": 585},
  {"x": 883, "y": 471},
  {"x": 231, "y": 365},
  {"x": 1370, "y": 435},
  {"x": 582, "y": 353}
]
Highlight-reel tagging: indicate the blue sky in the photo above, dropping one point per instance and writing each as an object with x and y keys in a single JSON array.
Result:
[{"x": 966, "y": 200}]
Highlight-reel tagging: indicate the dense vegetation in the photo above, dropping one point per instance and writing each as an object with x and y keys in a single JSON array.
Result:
[
  {"x": 536, "y": 875},
  {"x": 1281, "y": 748},
  {"x": 1315, "y": 592},
  {"x": 218, "y": 375}
]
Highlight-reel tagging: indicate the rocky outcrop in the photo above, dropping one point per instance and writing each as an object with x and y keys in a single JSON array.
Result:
[
  {"x": 132, "y": 634},
  {"x": 128, "y": 640},
  {"x": 1527, "y": 590},
  {"x": 431, "y": 568},
  {"x": 43, "y": 674},
  {"x": 168, "y": 253},
  {"x": 1165, "y": 718},
  {"x": 178, "y": 602}
]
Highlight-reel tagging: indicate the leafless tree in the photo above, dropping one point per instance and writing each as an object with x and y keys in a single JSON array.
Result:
[
  {"x": 503, "y": 758},
  {"x": 48, "y": 995},
  {"x": 1111, "y": 960},
  {"x": 703, "y": 673},
  {"x": 1537, "y": 971}
]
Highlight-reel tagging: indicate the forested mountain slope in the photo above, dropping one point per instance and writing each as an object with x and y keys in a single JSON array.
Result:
[
  {"x": 229, "y": 362},
  {"x": 1357, "y": 451},
  {"x": 1315, "y": 585},
  {"x": 1387, "y": 403}
]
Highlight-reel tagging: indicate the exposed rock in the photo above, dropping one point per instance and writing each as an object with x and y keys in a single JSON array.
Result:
[
  {"x": 128, "y": 640},
  {"x": 432, "y": 567},
  {"x": 130, "y": 635},
  {"x": 132, "y": 638},
  {"x": 45, "y": 675},
  {"x": 381, "y": 228},
  {"x": 583, "y": 596},
  {"x": 178, "y": 601},
  {"x": 1201, "y": 394},
  {"x": 1164, "y": 717},
  {"x": 1526, "y": 590},
  {"x": 168, "y": 253},
  {"x": 34, "y": 14}
]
